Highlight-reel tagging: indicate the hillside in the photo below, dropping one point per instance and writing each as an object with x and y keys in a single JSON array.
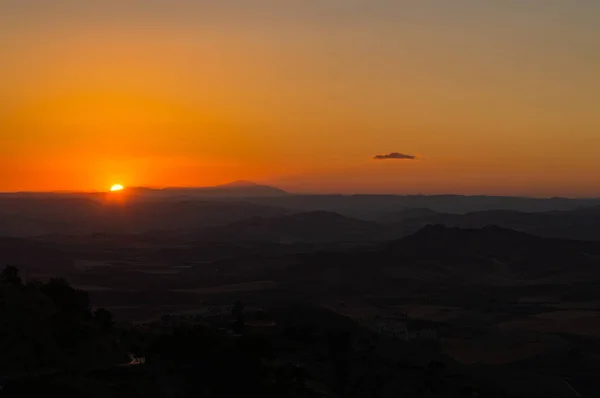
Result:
[
  {"x": 317, "y": 226},
  {"x": 375, "y": 207},
  {"x": 236, "y": 189},
  {"x": 495, "y": 250},
  {"x": 40, "y": 216},
  {"x": 578, "y": 224},
  {"x": 436, "y": 254}
]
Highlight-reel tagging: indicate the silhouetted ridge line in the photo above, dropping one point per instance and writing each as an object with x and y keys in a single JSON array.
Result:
[
  {"x": 238, "y": 184},
  {"x": 309, "y": 226},
  {"x": 490, "y": 232},
  {"x": 434, "y": 239}
]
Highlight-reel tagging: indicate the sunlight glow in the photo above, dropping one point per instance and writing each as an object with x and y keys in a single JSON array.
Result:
[{"x": 116, "y": 187}]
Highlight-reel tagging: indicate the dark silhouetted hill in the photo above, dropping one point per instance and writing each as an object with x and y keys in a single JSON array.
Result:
[
  {"x": 237, "y": 189},
  {"x": 142, "y": 210},
  {"x": 578, "y": 224},
  {"x": 406, "y": 214},
  {"x": 494, "y": 250},
  {"x": 17, "y": 226},
  {"x": 39, "y": 216},
  {"x": 35, "y": 257},
  {"x": 433, "y": 255},
  {"x": 317, "y": 226},
  {"x": 373, "y": 207}
]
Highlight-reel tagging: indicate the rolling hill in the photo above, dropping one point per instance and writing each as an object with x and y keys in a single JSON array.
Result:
[
  {"x": 578, "y": 224},
  {"x": 317, "y": 226},
  {"x": 55, "y": 215}
]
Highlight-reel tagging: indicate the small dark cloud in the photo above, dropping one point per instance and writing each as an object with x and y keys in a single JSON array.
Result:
[{"x": 395, "y": 156}]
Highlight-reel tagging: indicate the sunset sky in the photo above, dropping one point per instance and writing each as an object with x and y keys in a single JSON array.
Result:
[{"x": 492, "y": 97}]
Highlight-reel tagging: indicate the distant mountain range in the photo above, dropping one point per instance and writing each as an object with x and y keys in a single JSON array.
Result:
[
  {"x": 495, "y": 254},
  {"x": 379, "y": 207},
  {"x": 581, "y": 223},
  {"x": 237, "y": 189},
  {"x": 436, "y": 256},
  {"x": 323, "y": 226},
  {"x": 370, "y": 207},
  {"x": 244, "y": 211},
  {"x": 47, "y": 216}
]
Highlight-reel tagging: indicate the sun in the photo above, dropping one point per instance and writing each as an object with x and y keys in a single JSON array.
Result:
[{"x": 116, "y": 188}]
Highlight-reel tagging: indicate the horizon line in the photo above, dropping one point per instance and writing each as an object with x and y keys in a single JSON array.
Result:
[{"x": 93, "y": 192}]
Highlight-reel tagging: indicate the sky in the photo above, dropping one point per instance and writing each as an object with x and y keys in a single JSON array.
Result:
[{"x": 489, "y": 97}]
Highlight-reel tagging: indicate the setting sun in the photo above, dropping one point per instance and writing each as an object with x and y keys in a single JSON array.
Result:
[{"x": 116, "y": 187}]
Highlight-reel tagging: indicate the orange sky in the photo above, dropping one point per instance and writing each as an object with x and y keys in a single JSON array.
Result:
[{"x": 497, "y": 97}]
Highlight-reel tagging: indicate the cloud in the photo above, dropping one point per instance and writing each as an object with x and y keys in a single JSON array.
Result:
[{"x": 395, "y": 156}]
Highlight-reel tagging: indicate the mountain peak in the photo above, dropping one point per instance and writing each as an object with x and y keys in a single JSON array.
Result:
[{"x": 239, "y": 184}]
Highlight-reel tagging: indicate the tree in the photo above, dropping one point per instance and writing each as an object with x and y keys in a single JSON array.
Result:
[
  {"x": 68, "y": 301},
  {"x": 10, "y": 276},
  {"x": 104, "y": 318}
]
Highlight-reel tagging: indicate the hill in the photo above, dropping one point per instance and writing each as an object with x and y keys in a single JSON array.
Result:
[
  {"x": 498, "y": 251},
  {"x": 236, "y": 189},
  {"x": 374, "y": 207},
  {"x": 316, "y": 226},
  {"x": 490, "y": 256},
  {"x": 142, "y": 210},
  {"x": 56, "y": 215},
  {"x": 578, "y": 224}
]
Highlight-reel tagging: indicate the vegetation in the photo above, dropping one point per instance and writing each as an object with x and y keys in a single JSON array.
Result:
[
  {"x": 51, "y": 336},
  {"x": 49, "y": 330},
  {"x": 46, "y": 326}
]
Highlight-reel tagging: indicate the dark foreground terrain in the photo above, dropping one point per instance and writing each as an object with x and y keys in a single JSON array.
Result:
[{"x": 300, "y": 304}]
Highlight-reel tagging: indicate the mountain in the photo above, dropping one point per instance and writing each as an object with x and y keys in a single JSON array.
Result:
[
  {"x": 589, "y": 211},
  {"x": 237, "y": 189},
  {"x": 17, "y": 226},
  {"x": 496, "y": 251},
  {"x": 435, "y": 257},
  {"x": 250, "y": 189},
  {"x": 406, "y": 214},
  {"x": 317, "y": 226},
  {"x": 63, "y": 211},
  {"x": 41, "y": 216},
  {"x": 239, "y": 184},
  {"x": 138, "y": 210},
  {"x": 32, "y": 256},
  {"x": 578, "y": 224},
  {"x": 374, "y": 207}
]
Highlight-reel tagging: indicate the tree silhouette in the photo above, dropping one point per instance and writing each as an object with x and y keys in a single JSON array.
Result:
[
  {"x": 10, "y": 276},
  {"x": 104, "y": 318},
  {"x": 69, "y": 301}
]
